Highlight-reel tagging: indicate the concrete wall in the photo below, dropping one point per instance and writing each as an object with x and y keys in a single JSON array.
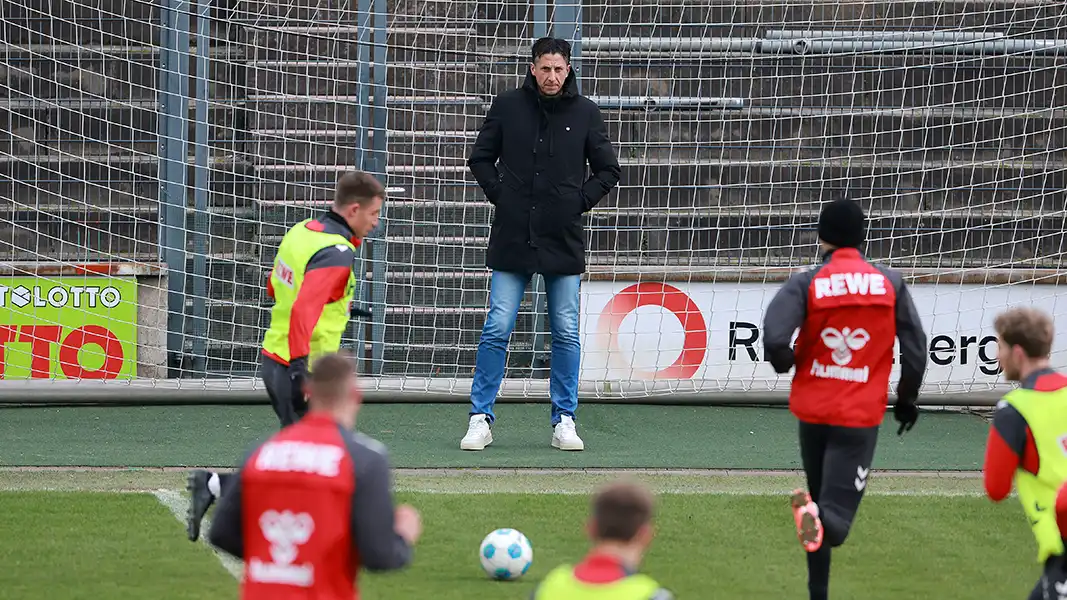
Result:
[{"x": 152, "y": 327}]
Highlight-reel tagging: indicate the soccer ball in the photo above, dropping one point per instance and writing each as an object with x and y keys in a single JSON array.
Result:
[{"x": 506, "y": 554}]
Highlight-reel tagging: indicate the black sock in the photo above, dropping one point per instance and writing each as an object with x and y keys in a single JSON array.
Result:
[
  {"x": 819, "y": 573},
  {"x": 224, "y": 483}
]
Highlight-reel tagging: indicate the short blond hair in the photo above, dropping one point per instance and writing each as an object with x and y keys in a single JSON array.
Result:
[{"x": 1029, "y": 328}]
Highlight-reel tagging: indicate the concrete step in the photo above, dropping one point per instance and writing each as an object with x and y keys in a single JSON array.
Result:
[
  {"x": 229, "y": 323},
  {"x": 440, "y": 289},
  {"x": 309, "y": 41},
  {"x": 108, "y": 22},
  {"x": 125, "y": 186},
  {"x": 939, "y": 136},
  {"x": 444, "y": 295},
  {"x": 240, "y": 359},
  {"x": 409, "y": 78},
  {"x": 764, "y": 240},
  {"x": 443, "y": 328},
  {"x": 848, "y": 81},
  {"x": 240, "y": 280},
  {"x": 71, "y": 235},
  {"x": 720, "y": 18},
  {"x": 436, "y": 361},
  {"x": 124, "y": 73},
  {"x": 455, "y": 42},
  {"x": 325, "y": 77},
  {"x": 926, "y": 184},
  {"x": 414, "y": 113},
  {"x": 911, "y": 186},
  {"x": 342, "y": 150},
  {"x": 439, "y": 355},
  {"x": 757, "y": 188},
  {"x": 72, "y": 22},
  {"x": 857, "y": 135},
  {"x": 101, "y": 130},
  {"x": 911, "y": 15},
  {"x": 401, "y": 12},
  {"x": 428, "y": 218}
]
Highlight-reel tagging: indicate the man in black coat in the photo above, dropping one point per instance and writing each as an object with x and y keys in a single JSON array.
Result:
[{"x": 530, "y": 159}]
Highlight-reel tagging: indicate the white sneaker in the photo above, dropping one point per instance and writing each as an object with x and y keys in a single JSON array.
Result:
[
  {"x": 565, "y": 436},
  {"x": 478, "y": 434}
]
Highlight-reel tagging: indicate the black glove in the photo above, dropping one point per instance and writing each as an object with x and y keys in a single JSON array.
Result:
[
  {"x": 298, "y": 374},
  {"x": 906, "y": 414},
  {"x": 361, "y": 312}
]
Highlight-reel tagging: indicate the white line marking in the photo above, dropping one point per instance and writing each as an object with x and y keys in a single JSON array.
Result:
[
  {"x": 176, "y": 503},
  {"x": 681, "y": 492}
]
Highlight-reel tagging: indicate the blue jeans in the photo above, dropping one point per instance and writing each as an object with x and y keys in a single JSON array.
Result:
[{"x": 505, "y": 295}]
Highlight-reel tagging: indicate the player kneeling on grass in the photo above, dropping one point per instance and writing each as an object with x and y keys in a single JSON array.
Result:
[
  {"x": 1027, "y": 440},
  {"x": 849, "y": 312},
  {"x": 313, "y": 504},
  {"x": 621, "y": 530}
]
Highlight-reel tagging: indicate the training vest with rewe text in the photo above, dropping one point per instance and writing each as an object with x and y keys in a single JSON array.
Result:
[
  {"x": 296, "y": 507},
  {"x": 297, "y": 248},
  {"x": 844, "y": 351}
]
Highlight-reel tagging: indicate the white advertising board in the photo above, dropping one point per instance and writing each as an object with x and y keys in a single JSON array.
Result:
[{"x": 711, "y": 332}]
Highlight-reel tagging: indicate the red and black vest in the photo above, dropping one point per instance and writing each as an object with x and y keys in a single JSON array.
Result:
[
  {"x": 844, "y": 353},
  {"x": 296, "y": 504}
]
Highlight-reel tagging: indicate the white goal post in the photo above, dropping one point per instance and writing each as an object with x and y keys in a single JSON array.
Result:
[{"x": 161, "y": 148}]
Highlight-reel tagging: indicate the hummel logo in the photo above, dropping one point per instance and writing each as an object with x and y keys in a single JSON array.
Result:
[
  {"x": 861, "y": 478},
  {"x": 1061, "y": 589}
]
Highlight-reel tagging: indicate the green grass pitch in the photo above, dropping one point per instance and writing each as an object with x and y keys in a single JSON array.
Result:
[{"x": 72, "y": 535}]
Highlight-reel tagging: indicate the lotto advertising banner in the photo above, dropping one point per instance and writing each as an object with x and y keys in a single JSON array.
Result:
[
  {"x": 68, "y": 327},
  {"x": 712, "y": 332}
]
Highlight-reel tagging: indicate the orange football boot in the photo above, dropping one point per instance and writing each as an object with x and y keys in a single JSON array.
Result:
[{"x": 806, "y": 515}]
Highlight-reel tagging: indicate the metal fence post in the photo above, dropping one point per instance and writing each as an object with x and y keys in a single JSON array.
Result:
[
  {"x": 378, "y": 165},
  {"x": 173, "y": 148},
  {"x": 567, "y": 24},
  {"x": 202, "y": 185},
  {"x": 540, "y": 18},
  {"x": 357, "y": 327}
]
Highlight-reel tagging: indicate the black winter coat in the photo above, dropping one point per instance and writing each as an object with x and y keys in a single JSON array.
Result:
[{"x": 540, "y": 188}]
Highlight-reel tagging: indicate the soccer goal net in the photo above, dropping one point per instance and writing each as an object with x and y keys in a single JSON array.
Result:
[{"x": 154, "y": 154}]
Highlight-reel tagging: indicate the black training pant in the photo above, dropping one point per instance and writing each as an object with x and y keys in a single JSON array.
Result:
[
  {"x": 837, "y": 462},
  {"x": 276, "y": 379},
  {"x": 280, "y": 390},
  {"x": 1053, "y": 582}
]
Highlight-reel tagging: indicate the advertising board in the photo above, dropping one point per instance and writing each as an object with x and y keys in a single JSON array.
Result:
[
  {"x": 68, "y": 327},
  {"x": 712, "y": 331}
]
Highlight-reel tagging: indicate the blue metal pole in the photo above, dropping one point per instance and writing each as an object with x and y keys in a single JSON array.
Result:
[
  {"x": 358, "y": 327},
  {"x": 379, "y": 167},
  {"x": 538, "y": 351},
  {"x": 567, "y": 24},
  {"x": 173, "y": 146},
  {"x": 540, "y": 18},
  {"x": 364, "y": 21},
  {"x": 203, "y": 182}
]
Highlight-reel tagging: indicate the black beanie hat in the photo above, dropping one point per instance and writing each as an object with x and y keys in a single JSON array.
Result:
[{"x": 842, "y": 224}]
